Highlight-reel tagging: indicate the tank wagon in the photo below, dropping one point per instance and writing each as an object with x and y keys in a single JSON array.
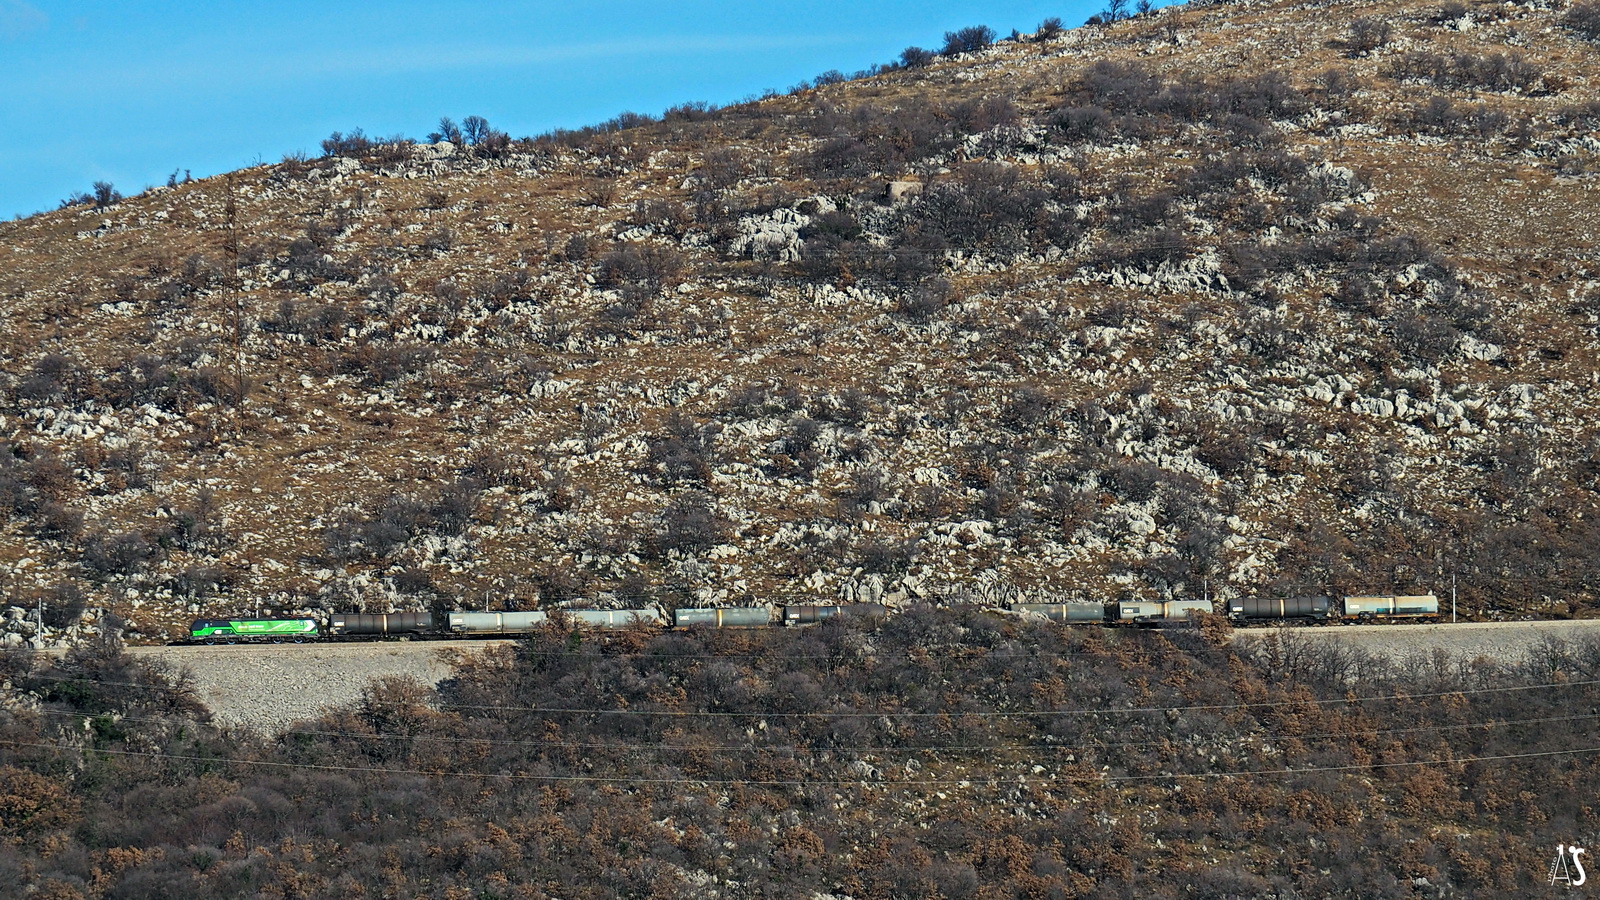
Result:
[
  {"x": 472, "y": 624},
  {"x": 381, "y": 625},
  {"x": 1150, "y": 613},
  {"x": 1393, "y": 608},
  {"x": 808, "y": 615},
  {"x": 1311, "y": 609},
  {"x": 1126, "y": 612},
  {"x": 723, "y": 617},
  {"x": 1070, "y": 613}
]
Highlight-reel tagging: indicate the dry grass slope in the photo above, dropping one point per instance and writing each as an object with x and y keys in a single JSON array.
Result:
[{"x": 1239, "y": 297}]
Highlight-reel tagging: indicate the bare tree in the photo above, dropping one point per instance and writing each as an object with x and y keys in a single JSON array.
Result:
[
  {"x": 475, "y": 129},
  {"x": 448, "y": 131},
  {"x": 968, "y": 40},
  {"x": 1584, "y": 18},
  {"x": 1368, "y": 34},
  {"x": 105, "y": 195}
]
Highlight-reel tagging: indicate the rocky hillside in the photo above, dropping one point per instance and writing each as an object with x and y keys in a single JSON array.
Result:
[{"x": 1225, "y": 298}]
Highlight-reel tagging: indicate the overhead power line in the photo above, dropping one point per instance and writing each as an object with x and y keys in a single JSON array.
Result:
[
  {"x": 682, "y": 781},
  {"x": 1091, "y": 745},
  {"x": 986, "y": 714}
]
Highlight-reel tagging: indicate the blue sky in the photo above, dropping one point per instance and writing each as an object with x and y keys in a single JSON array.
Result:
[{"x": 129, "y": 91}]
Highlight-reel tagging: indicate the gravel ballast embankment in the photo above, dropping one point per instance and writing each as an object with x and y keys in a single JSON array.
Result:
[
  {"x": 1504, "y": 642},
  {"x": 269, "y": 687}
]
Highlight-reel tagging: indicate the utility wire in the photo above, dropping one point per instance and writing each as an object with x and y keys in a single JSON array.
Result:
[
  {"x": 955, "y": 714},
  {"x": 1091, "y": 745},
  {"x": 1353, "y": 768},
  {"x": 682, "y": 781}
]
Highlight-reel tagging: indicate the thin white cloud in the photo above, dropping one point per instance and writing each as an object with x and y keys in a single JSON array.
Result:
[
  {"x": 258, "y": 68},
  {"x": 452, "y": 57},
  {"x": 18, "y": 18}
]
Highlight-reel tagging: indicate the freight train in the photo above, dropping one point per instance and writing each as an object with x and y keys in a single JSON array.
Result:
[
  {"x": 1247, "y": 610},
  {"x": 1137, "y": 613},
  {"x": 341, "y": 627}
]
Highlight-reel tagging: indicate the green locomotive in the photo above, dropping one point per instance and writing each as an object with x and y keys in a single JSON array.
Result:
[{"x": 237, "y": 630}]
